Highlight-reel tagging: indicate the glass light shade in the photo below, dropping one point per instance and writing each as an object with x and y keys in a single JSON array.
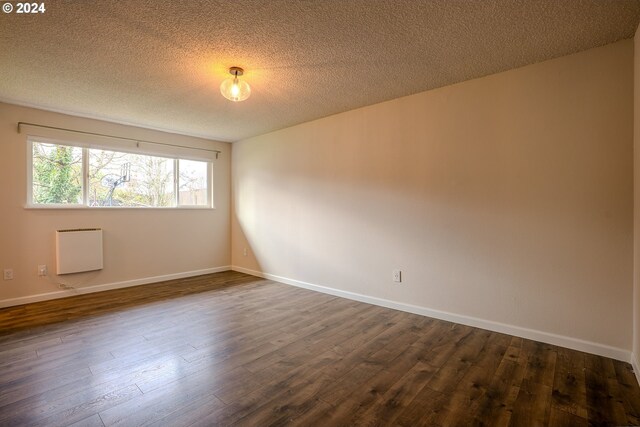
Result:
[{"x": 235, "y": 90}]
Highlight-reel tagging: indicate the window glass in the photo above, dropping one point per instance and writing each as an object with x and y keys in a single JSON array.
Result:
[
  {"x": 192, "y": 183},
  {"x": 131, "y": 180},
  {"x": 56, "y": 174}
]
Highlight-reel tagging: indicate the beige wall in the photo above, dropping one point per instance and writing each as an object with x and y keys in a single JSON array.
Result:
[
  {"x": 138, "y": 244},
  {"x": 636, "y": 181},
  {"x": 508, "y": 198}
]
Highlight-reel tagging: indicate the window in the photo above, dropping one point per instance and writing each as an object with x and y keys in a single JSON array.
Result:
[
  {"x": 68, "y": 175},
  {"x": 57, "y": 174},
  {"x": 192, "y": 183},
  {"x": 132, "y": 180}
]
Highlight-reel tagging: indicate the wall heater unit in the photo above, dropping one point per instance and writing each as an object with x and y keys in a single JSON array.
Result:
[{"x": 78, "y": 250}]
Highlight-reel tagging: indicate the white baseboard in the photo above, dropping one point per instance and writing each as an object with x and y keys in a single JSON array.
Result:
[
  {"x": 635, "y": 366},
  {"x": 532, "y": 334},
  {"x": 107, "y": 286}
]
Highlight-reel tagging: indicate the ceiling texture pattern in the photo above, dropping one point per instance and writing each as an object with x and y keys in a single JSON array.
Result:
[{"x": 159, "y": 64}]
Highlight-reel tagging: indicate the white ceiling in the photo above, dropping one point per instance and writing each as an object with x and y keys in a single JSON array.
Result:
[{"x": 159, "y": 64}]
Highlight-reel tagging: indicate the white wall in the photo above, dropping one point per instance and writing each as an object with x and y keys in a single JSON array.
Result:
[
  {"x": 139, "y": 245},
  {"x": 507, "y": 201}
]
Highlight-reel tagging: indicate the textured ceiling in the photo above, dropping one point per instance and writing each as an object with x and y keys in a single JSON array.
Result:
[{"x": 159, "y": 64}]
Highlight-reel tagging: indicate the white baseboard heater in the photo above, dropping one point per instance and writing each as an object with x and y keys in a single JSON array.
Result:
[{"x": 78, "y": 250}]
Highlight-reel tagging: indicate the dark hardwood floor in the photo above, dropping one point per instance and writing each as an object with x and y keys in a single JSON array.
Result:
[{"x": 232, "y": 349}]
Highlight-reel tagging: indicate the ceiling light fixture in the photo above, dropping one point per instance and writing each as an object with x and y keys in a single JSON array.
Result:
[{"x": 234, "y": 89}]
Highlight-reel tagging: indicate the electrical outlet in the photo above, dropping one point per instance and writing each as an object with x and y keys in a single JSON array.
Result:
[
  {"x": 244, "y": 252},
  {"x": 397, "y": 276},
  {"x": 42, "y": 270},
  {"x": 8, "y": 274}
]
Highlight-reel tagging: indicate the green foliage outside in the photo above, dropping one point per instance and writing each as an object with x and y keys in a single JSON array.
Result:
[{"x": 57, "y": 174}]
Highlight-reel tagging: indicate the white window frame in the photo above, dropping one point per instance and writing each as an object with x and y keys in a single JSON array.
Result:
[{"x": 85, "y": 147}]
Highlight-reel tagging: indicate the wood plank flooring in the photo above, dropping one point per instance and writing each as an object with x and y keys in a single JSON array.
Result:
[{"x": 232, "y": 349}]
